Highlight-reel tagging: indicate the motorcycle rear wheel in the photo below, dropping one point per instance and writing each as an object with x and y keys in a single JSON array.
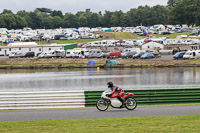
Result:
[
  {"x": 102, "y": 105},
  {"x": 130, "y": 103}
]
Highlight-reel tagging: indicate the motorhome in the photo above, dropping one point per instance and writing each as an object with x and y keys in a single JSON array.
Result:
[
  {"x": 55, "y": 54},
  {"x": 93, "y": 53},
  {"x": 129, "y": 52},
  {"x": 193, "y": 54},
  {"x": 15, "y": 54},
  {"x": 77, "y": 53}
]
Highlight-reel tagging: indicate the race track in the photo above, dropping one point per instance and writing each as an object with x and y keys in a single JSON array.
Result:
[{"x": 91, "y": 113}]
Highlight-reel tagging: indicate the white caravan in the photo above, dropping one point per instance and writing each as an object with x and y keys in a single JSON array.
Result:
[
  {"x": 55, "y": 54},
  {"x": 77, "y": 53},
  {"x": 193, "y": 54},
  {"x": 94, "y": 53}
]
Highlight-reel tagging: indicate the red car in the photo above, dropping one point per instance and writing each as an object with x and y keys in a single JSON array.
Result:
[{"x": 114, "y": 54}]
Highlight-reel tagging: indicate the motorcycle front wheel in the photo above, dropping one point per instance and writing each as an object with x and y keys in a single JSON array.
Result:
[
  {"x": 102, "y": 105},
  {"x": 130, "y": 103}
]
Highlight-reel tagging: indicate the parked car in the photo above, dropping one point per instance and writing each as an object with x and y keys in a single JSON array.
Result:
[
  {"x": 55, "y": 54},
  {"x": 103, "y": 55},
  {"x": 28, "y": 54},
  {"x": 15, "y": 54},
  {"x": 147, "y": 56},
  {"x": 137, "y": 56},
  {"x": 128, "y": 54},
  {"x": 179, "y": 55},
  {"x": 114, "y": 55},
  {"x": 42, "y": 55}
]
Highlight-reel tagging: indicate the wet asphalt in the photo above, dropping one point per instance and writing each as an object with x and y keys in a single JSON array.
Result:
[{"x": 92, "y": 113}]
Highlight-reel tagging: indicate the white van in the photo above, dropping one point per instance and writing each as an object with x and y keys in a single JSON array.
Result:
[
  {"x": 55, "y": 54},
  {"x": 77, "y": 53},
  {"x": 15, "y": 54},
  {"x": 193, "y": 54},
  {"x": 129, "y": 52}
]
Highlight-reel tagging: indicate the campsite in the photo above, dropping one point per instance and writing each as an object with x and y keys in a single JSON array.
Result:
[{"x": 93, "y": 66}]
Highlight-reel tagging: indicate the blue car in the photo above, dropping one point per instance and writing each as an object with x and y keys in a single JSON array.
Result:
[
  {"x": 179, "y": 55},
  {"x": 147, "y": 56}
]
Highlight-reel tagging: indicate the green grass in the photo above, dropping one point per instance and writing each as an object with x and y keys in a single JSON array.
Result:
[
  {"x": 69, "y": 41},
  {"x": 164, "y": 124},
  {"x": 3, "y": 44},
  {"x": 63, "y": 64},
  {"x": 125, "y": 36}
]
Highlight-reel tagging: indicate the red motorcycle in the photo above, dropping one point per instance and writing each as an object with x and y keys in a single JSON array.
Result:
[{"x": 107, "y": 98}]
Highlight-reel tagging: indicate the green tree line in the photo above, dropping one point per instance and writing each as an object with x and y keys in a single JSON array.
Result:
[{"x": 176, "y": 12}]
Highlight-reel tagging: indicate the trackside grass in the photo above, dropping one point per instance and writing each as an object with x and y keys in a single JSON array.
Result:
[{"x": 164, "y": 124}]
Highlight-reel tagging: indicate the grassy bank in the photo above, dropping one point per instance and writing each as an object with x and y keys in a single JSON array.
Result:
[
  {"x": 68, "y": 62},
  {"x": 164, "y": 124}
]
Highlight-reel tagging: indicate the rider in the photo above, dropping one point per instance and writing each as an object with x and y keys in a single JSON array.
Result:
[{"x": 118, "y": 90}]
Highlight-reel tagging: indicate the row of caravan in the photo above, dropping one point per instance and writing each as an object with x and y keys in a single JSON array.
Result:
[
  {"x": 78, "y": 53},
  {"x": 98, "y": 53}
]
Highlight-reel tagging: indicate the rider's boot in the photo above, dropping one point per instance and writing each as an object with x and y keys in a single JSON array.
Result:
[{"x": 121, "y": 100}]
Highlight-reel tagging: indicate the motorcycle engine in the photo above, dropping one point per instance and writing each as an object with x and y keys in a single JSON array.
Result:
[{"x": 116, "y": 103}]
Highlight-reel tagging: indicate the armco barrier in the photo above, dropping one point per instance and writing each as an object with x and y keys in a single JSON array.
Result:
[
  {"x": 77, "y": 99},
  {"x": 38, "y": 100},
  {"x": 146, "y": 97}
]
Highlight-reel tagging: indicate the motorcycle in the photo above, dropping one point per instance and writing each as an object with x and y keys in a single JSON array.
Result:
[{"x": 107, "y": 99}]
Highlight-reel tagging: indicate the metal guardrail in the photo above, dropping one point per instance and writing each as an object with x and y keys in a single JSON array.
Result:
[
  {"x": 151, "y": 97},
  {"x": 78, "y": 99},
  {"x": 39, "y": 100}
]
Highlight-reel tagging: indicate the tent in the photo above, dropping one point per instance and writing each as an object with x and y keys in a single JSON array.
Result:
[
  {"x": 112, "y": 62},
  {"x": 121, "y": 41},
  {"x": 152, "y": 46},
  {"x": 91, "y": 63},
  {"x": 75, "y": 30},
  {"x": 108, "y": 30}
]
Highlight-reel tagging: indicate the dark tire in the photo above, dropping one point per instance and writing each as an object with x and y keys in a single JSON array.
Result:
[
  {"x": 130, "y": 103},
  {"x": 102, "y": 105}
]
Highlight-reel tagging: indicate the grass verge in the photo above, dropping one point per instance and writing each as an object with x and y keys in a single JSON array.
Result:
[{"x": 164, "y": 124}]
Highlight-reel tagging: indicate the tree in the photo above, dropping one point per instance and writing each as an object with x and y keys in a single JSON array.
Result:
[
  {"x": 159, "y": 15},
  {"x": 35, "y": 21},
  {"x": 184, "y": 12},
  {"x": 117, "y": 18},
  {"x": 70, "y": 21},
  {"x": 57, "y": 22},
  {"x": 131, "y": 17},
  {"x": 57, "y": 13},
  {"x": 22, "y": 13},
  {"x": 93, "y": 20},
  {"x": 7, "y": 21},
  {"x": 44, "y": 10},
  {"x": 20, "y": 22},
  {"x": 82, "y": 20},
  {"x": 171, "y": 3},
  {"x": 5, "y": 11}
]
